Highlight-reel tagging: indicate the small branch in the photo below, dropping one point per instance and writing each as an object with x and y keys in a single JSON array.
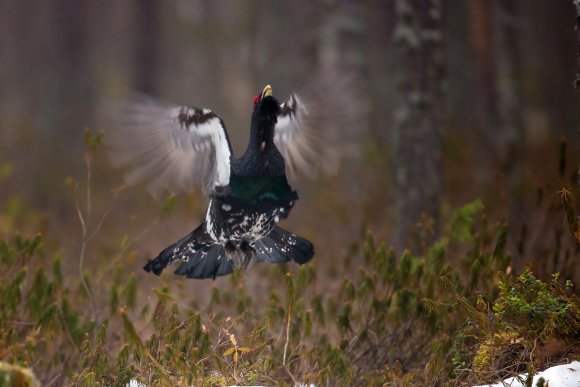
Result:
[
  {"x": 89, "y": 174},
  {"x": 569, "y": 204},
  {"x": 53, "y": 380},
  {"x": 100, "y": 224},
  {"x": 130, "y": 243},
  {"x": 287, "y": 334},
  {"x": 84, "y": 223},
  {"x": 291, "y": 376},
  {"x": 26, "y": 323},
  {"x": 84, "y": 219},
  {"x": 83, "y": 249},
  {"x": 67, "y": 331}
]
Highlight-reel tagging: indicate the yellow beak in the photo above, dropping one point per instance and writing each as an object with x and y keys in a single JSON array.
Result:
[{"x": 267, "y": 91}]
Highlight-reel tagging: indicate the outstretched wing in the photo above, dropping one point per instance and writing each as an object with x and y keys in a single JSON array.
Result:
[
  {"x": 302, "y": 143},
  {"x": 321, "y": 126},
  {"x": 169, "y": 148}
]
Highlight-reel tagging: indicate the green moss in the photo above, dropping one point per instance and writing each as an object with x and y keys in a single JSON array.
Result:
[
  {"x": 14, "y": 376},
  {"x": 489, "y": 351}
]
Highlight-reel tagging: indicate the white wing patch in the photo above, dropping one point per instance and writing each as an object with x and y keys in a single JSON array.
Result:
[
  {"x": 215, "y": 131},
  {"x": 170, "y": 149}
]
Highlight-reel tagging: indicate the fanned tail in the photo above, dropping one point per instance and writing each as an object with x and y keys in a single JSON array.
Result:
[
  {"x": 200, "y": 257},
  {"x": 169, "y": 254},
  {"x": 281, "y": 246},
  {"x": 211, "y": 262}
]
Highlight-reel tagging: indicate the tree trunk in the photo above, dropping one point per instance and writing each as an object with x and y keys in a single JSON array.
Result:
[
  {"x": 509, "y": 133},
  {"x": 485, "y": 122},
  {"x": 147, "y": 25},
  {"x": 418, "y": 119},
  {"x": 577, "y": 80}
]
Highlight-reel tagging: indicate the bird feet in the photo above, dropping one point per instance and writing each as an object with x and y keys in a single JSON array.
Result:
[{"x": 241, "y": 253}]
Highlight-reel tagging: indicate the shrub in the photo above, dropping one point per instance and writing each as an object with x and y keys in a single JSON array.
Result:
[{"x": 531, "y": 325}]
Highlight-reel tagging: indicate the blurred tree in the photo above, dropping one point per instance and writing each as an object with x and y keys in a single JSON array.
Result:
[
  {"x": 508, "y": 134},
  {"x": 481, "y": 40},
  {"x": 57, "y": 58},
  {"x": 147, "y": 29},
  {"x": 380, "y": 68},
  {"x": 497, "y": 113},
  {"x": 212, "y": 42},
  {"x": 577, "y": 26},
  {"x": 418, "y": 121}
]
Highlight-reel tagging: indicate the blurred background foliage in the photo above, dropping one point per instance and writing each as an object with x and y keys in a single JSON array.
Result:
[{"x": 468, "y": 167}]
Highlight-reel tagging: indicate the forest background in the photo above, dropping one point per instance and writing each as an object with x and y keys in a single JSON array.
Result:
[{"x": 467, "y": 138}]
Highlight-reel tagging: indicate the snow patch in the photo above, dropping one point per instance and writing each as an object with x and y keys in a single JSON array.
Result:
[{"x": 564, "y": 375}]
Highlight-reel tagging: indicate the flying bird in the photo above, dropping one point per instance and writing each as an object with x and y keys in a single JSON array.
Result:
[{"x": 173, "y": 149}]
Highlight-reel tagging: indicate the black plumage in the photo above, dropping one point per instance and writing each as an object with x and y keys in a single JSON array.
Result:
[{"x": 247, "y": 195}]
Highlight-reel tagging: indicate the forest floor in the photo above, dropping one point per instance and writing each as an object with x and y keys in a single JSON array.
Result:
[{"x": 457, "y": 310}]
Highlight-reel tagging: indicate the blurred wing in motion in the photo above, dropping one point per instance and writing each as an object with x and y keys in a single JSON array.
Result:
[
  {"x": 168, "y": 148},
  {"x": 315, "y": 132}
]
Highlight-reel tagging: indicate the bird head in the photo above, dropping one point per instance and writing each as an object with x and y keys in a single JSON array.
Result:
[{"x": 266, "y": 107}]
